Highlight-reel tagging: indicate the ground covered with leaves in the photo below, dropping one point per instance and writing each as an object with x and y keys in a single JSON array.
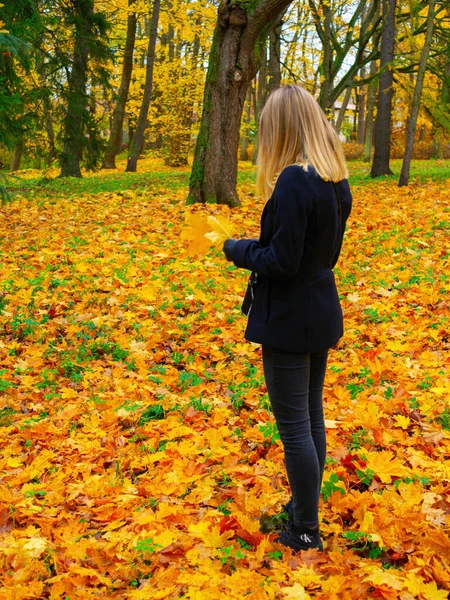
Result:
[{"x": 138, "y": 450}]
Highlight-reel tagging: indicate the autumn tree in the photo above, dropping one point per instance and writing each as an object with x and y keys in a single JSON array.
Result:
[
  {"x": 115, "y": 136},
  {"x": 380, "y": 164},
  {"x": 89, "y": 31},
  {"x": 239, "y": 37},
  {"x": 415, "y": 105},
  {"x": 138, "y": 138},
  {"x": 345, "y": 49},
  {"x": 21, "y": 26}
]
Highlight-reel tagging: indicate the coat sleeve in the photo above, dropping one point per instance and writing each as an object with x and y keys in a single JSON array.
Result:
[
  {"x": 345, "y": 217},
  {"x": 292, "y": 206}
]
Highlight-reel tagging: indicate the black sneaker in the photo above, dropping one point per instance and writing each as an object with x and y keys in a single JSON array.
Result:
[{"x": 300, "y": 538}]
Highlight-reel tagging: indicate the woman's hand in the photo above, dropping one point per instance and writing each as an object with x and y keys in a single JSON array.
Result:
[{"x": 228, "y": 246}]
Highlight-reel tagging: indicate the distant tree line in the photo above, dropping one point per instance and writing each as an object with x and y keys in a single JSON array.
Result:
[{"x": 80, "y": 84}]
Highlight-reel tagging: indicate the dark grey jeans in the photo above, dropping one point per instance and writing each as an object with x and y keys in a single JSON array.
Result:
[{"x": 295, "y": 383}]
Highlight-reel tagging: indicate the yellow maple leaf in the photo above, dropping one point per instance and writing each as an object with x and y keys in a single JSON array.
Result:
[
  {"x": 221, "y": 230},
  {"x": 403, "y": 422},
  {"x": 296, "y": 592},
  {"x": 385, "y": 465},
  {"x": 194, "y": 232},
  {"x": 147, "y": 293},
  {"x": 384, "y": 578}
]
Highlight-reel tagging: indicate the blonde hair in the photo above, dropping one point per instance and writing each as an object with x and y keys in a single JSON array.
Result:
[{"x": 293, "y": 129}]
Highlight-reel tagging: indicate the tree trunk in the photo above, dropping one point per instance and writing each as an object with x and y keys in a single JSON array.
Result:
[
  {"x": 254, "y": 96},
  {"x": 16, "y": 156},
  {"x": 380, "y": 165},
  {"x": 115, "y": 138},
  {"x": 274, "y": 55},
  {"x": 46, "y": 106},
  {"x": 342, "y": 110},
  {"x": 260, "y": 96},
  {"x": 77, "y": 98},
  {"x": 180, "y": 139},
  {"x": 371, "y": 98},
  {"x": 415, "y": 105},
  {"x": 138, "y": 138},
  {"x": 327, "y": 63},
  {"x": 244, "y": 140},
  {"x": 362, "y": 110},
  {"x": 239, "y": 38}
]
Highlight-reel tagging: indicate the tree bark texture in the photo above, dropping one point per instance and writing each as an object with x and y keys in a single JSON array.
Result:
[
  {"x": 260, "y": 96},
  {"x": 415, "y": 105},
  {"x": 371, "y": 99},
  {"x": 343, "y": 109},
  {"x": 115, "y": 137},
  {"x": 239, "y": 37},
  {"x": 327, "y": 79},
  {"x": 362, "y": 110},
  {"x": 77, "y": 97},
  {"x": 16, "y": 157},
  {"x": 138, "y": 138},
  {"x": 245, "y": 136},
  {"x": 380, "y": 165},
  {"x": 275, "y": 56}
]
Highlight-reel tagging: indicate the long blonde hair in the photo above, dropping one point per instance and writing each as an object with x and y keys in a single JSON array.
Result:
[{"x": 293, "y": 129}]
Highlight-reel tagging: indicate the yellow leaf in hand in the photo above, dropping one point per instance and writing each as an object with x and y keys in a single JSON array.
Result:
[
  {"x": 197, "y": 226},
  {"x": 221, "y": 230}
]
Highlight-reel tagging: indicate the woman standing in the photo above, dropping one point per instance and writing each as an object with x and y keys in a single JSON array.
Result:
[{"x": 295, "y": 313}]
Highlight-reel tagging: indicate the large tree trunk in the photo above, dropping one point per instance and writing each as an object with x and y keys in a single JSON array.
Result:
[
  {"x": 380, "y": 165},
  {"x": 138, "y": 138},
  {"x": 77, "y": 98},
  {"x": 238, "y": 40},
  {"x": 115, "y": 138},
  {"x": 415, "y": 105}
]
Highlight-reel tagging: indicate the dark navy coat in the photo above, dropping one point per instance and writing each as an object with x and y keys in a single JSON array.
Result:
[{"x": 296, "y": 305}]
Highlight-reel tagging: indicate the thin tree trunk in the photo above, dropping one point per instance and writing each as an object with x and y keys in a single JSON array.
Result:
[
  {"x": 371, "y": 98},
  {"x": 238, "y": 40},
  {"x": 245, "y": 140},
  {"x": 380, "y": 165},
  {"x": 362, "y": 110},
  {"x": 415, "y": 105},
  {"x": 327, "y": 62},
  {"x": 138, "y": 138},
  {"x": 77, "y": 97},
  {"x": 46, "y": 106},
  {"x": 274, "y": 56},
  {"x": 254, "y": 101},
  {"x": 342, "y": 110},
  {"x": 16, "y": 156},
  {"x": 260, "y": 96},
  {"x": 180, "y": 139},
  {"x": 445, "y": 100},
  {"x": 115, "y": 138}
]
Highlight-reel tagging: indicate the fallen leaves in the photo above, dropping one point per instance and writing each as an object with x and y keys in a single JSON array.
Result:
[{"x": 134, "y": 461}]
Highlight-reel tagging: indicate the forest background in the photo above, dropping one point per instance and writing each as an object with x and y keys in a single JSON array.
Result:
[{"x": 139, "y": 455}]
